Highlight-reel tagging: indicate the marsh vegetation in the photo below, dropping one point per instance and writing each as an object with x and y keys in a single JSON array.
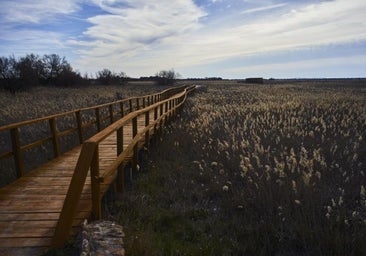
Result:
[{"x": 255, "y": 170}]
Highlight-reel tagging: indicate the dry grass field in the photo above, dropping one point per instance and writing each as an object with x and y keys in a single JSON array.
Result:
[{"x": 273, "y": 169}]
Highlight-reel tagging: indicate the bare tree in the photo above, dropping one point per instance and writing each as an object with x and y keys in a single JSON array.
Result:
[
  {"x": 167, "y": 77},
  {"x": 54, "y": 65},
  {"x": 107, "y": 77}
]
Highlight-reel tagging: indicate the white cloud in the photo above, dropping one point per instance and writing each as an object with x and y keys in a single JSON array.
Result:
[
  {"x": 35, "y": 11},
  {"x": 322, "y": 24},
  {"x": 132, "y": 27},
  {"x": 149, "y": 36}
]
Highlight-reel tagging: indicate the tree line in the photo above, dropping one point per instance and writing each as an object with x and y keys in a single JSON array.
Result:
[
  {"x": 32, "y": 70},
  {"x": 52, "y": 70}
]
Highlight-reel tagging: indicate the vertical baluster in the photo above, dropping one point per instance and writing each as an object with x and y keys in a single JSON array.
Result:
[
  {"x": 55, "y": 140},
  {"x": 97, "y": 117},
  {"x": 95, "y": 186},
  {"x": 121, "y": 108},
  {"x": 111, "y": 113},
  {"x": 147, "y": 134},
  {"x": 137, "y": 103},
  {"x": 80, "y": 126},
  {"x": 135, "y": 149},
  {"x": 131, "y": 107},
  {"x": 120, "y": 182},
  {"x": 18, "y": 156}
]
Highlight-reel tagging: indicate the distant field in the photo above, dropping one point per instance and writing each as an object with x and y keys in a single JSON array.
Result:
[{"x": 256, "y": 170}]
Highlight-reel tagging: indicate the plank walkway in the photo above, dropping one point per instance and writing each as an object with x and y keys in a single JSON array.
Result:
[{"x": 30, "y": 207}]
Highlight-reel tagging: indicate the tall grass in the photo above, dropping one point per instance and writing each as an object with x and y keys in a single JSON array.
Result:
[{"x": 255, "y": 170}]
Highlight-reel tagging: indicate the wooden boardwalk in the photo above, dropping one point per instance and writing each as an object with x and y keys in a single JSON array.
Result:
[{"x": 30, "y": 207}]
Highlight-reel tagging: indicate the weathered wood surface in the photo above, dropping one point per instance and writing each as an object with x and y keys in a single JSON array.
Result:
[{"x": 30, "y": 206}]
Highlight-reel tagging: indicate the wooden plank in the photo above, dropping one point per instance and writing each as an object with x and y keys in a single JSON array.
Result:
[
  {"x": 27, "y": 233},
  {"x": 36, "y": 216},
  {"x": 39, "y": 195},
  {"x": 28, "y": 216},
  {"x": 21, "y": 225},
  {"x": 21, "y": 242},
  {"x": 42, "y": 223},
  {"x": 55, "y": 206},
  {"x": 31, "y": 189}
]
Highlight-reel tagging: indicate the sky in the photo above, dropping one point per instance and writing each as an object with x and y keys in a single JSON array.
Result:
[{"x": 197, "y": 38}]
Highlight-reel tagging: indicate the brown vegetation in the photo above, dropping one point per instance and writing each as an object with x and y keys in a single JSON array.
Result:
[{"x": 255, "y": 170}]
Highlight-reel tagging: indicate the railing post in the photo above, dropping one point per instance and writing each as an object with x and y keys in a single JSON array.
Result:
[
  {"x": 18, "y": 156},
  {"x": 97, "y": 117},
  {"x": 80, "y": 126},
  {"x": 161, "y": 109},
  {"x": 120, "y": 181},
  {"x": 170, "y": 110},
  {"x": 147, "y": 134},
  {"x": 111, "y": 113},
  {"x": 135, "y": 149},
  {"x": 56, "y": 143},
  {"x": 137, "y": 103},
  {"x": 155, "y": 117},
  {"x": 143, "y": 102},
  {"x": 95, "y": 186},
  {"x": 121, "y": 107},
  {"x": 167, "y": 105},
  {"x": 155, "y": 113},
  {"x": 131, "y": 108}
]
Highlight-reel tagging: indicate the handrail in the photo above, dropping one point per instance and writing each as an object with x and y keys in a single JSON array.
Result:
[
  {"x": 89, "y": 158},
  {"x": 36, "y": 120},
  {"x": 79, "y": 126}
]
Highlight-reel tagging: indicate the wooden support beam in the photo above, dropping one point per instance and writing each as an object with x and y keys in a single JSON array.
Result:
[
  {"x": 120, "y": 180},
  {"x": 135, "y": 149},
  {"x": 73, "y": 195},
  {"x": 80, "y": 126},
  {"x": 137, "y": 103},
  {"x": 111, "y": 118},
  {"x": 55, "y": 139},
  {"x": 18, "y": 155},
  {"x": 121, "y": 109},
  {"x": 97, "y": 117},
  {"x": 95, "y": 186},
  {"x": 131, "y": 107},
  {"x": 147, "y": 134}
]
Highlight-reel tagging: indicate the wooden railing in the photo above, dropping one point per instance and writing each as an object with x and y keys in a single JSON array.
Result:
[
  {"x": 89, "y": 158},
  {"x": 114, "y": 111}
]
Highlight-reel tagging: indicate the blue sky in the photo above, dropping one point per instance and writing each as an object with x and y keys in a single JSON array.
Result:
[{"x": 201, "y": 38}]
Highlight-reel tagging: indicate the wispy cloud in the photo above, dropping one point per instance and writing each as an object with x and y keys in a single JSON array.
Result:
[
  {"x": 137, "y": 26},
  {"x": 264, "y": 8},
  {"x": 29, "y": 11}
]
